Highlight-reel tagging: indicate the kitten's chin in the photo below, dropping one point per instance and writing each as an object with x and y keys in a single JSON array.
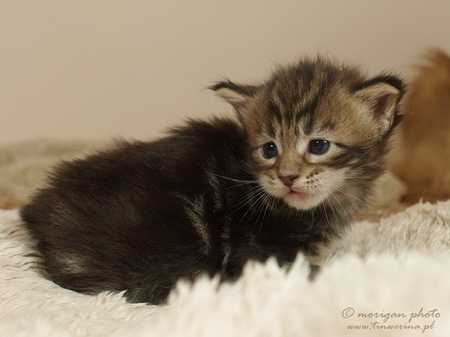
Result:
[{"x": 302, "y": 201}]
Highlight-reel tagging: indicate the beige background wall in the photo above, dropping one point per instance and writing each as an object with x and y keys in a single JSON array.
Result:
[{"x": 104, "y": 68}]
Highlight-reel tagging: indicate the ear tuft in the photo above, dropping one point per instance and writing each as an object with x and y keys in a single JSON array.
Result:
[{"x": 232, "y": 93}]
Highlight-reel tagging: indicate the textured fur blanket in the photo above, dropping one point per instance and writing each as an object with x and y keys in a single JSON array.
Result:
[{"x": 387, "y": 277}]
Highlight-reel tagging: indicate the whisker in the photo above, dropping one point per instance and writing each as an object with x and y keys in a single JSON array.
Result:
[
  {"x": 237, "y": 185},
  {"x": 346, "y": 193},
  {"x": 336, "y": 205},
  {"x": 257, "y": 201},
  {"x": 252, "y": 193},
  {"x": 236, "y": 180},
  {"x": 326, "y": 213},
  {"x": 261, "y": 210},
  {"x": 266, "y": 208}
]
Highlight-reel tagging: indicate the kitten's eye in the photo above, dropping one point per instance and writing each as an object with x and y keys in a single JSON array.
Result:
[
  {"x": 270, "y": 150},
  {"x": 319, "y": 146}
]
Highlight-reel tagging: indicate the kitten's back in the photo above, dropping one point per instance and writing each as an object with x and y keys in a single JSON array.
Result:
[{"x": 117, "y": 220}]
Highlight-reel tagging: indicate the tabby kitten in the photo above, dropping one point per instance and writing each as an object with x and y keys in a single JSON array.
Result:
[{"x": 286, "y": 178}]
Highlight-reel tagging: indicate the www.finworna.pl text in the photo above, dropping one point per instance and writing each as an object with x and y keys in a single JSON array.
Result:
[{"x": 381, "y": 326}]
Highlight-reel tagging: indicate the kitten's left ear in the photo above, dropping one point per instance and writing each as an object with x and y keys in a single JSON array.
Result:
[
  {"x": 379, "y": 98},
  {"x": 236, "y": 95}
]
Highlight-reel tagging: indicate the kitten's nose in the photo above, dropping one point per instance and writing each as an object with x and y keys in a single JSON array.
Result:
[{"x": 288, "y": 180}]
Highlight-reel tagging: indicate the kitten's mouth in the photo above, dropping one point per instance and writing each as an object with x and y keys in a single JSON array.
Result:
[
  {"x": 298, "y": 198},
  {"x": 298, "y": 194},
  {"x": 301, "y": 200}
]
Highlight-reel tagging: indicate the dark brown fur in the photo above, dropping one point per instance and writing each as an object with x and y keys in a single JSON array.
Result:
[{"x": 204, "y": 199}]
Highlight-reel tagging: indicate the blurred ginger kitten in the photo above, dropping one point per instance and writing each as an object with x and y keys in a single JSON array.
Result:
[{"x": 421, "y": 154}]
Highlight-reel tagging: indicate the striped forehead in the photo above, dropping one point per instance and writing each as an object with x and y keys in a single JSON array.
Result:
[
  {"x": 300, "y": 101},
  {"x": 287, "y": 129},
  {"x": 297, "y": 118}
]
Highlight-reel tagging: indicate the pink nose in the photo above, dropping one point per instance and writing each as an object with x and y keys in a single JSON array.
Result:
[{"x": 288, "y": 180}]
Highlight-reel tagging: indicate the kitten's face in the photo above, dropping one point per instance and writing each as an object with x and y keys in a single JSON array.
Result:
[
  {"x": 297, "y": 164},
  {"x": 301, "y": 173},
  {"x": 304, "y": 159},
  {"x": 310, "y": 129}
]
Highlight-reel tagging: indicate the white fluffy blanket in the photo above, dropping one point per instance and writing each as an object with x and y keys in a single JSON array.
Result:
[{"x": 388, "y": 277}]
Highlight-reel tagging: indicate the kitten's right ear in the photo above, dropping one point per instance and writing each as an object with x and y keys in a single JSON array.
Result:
[{"x": 236, "y": 95}]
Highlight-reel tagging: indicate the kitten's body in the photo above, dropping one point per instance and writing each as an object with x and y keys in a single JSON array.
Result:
[
  {"x": 421, "y": 156},
  {"x": 212, "y": 195}
]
